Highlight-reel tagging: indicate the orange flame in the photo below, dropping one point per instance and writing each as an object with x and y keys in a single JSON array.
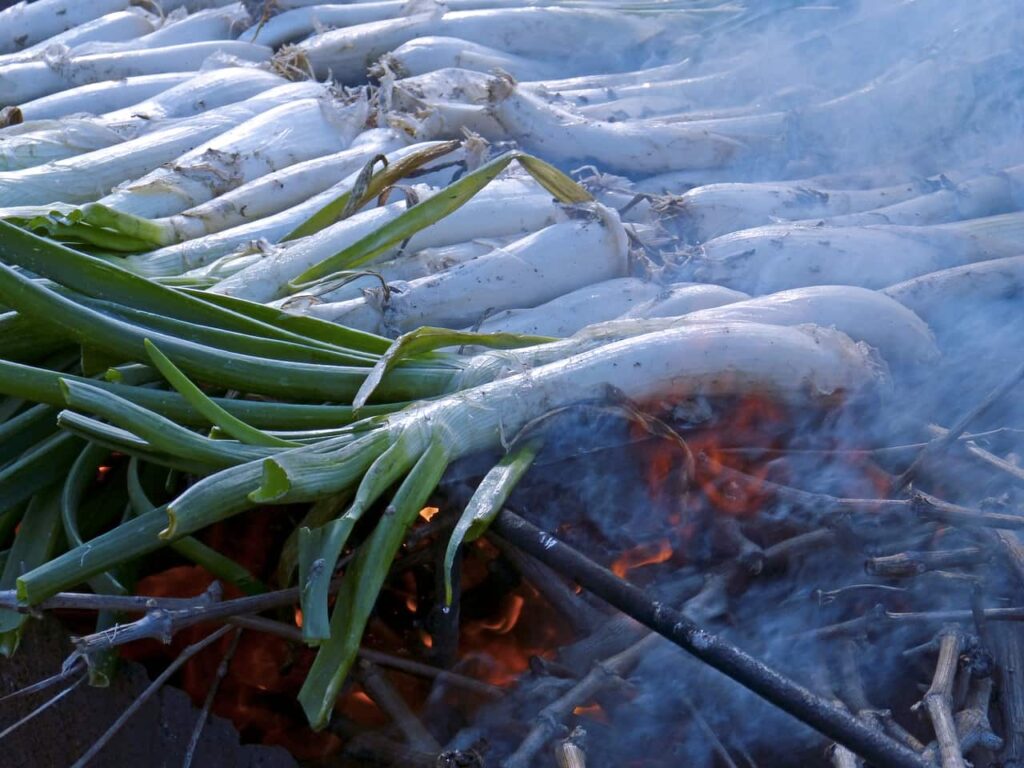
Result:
[
  {"x": 593, "y": 711},
  {"x": 507, "y": 622},
  {"x": 650, "y": 553}
]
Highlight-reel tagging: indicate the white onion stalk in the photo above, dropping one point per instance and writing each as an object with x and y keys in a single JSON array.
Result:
[
  {"x": 346, "y": 53},
  {"x": 600, "y": 38},
  {"x": 572, "y": 311},
  {"x": 632, "y": 147},
  {"x": 297, "y": 22},
  {"x": 535, "y": 269},
  {"x": 70, "y": 137},
  {"x": 428, "y": 53},
  {"x": 98, "y": 98},
  {"x": 899, "y": 335},
  {"x": 666, "y": 108},
  {"x": 683, "y": 298},
  {"x": 678, "y": 182},
  {"x": 425, "y": 121},
  {"x": 284, "y": 135},
  {"x": 597, "y": 85},
  {"x": 982, "y": 196},
  {"x": 446, "y": 84},
  {"x": 504, "y": 207},
  {"x": 290, "y": 5},
  {"x": 86, "y": 177},
  {"x": 274, "y": 192},
  {"x": 293, "y": 24},
  {"x": 773, "y": 258},
  {"x": 713, "y": 210},
  {"x": 26, "y": 24},
  {"x": 209, "y": 24},
  {"x": 902, "y": 338},
  {"x": 183, "y": 257},
  {"x": 937, "y": 295},
  {"x": 267, "y": 271},
  {"x": 113, "y": 28},
  {"x": 794, "y": 364},
  {"x": 204, "y": 91},
  {"x": 802, "y": 366},
  {"x": 442, "y": 103},
  {"x": 426, "y": 261},
  {"x": 33, "y": 79},
  {"x": 662, "y": 96},
  {"x": 900, "y": 102}
]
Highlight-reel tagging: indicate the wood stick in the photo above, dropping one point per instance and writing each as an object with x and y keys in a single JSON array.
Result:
[
  {"x": 211, "y": 694},
  {"x": 940, "y": 444},
  {"x": 914, "y": 563},
  {"x": 569, "y": 752},
  {"x": 986, "y": 457},
  {"x": 390, "y": 701},
  {"x": 709, "y": 733},
  {"x": 939, "y": 698},
  {"x": 601, "y": 675},
  {"x": 418, "y": 668},
  {"x": 147, "y": 694},
  {"x": 384, "y": 751},
  {"x": 972, "y": 723},
  {"x": 1007, "y": 646},
  {"x": 581, "y": 617},
  {"x": 851, "y": 687},
  {"x": 764, "y": 681}
]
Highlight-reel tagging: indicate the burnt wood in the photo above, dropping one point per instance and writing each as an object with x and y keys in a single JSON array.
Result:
[{"x": 813, "y": 710}]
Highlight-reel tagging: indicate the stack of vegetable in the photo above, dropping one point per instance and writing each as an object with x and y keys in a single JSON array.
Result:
[{"x": 317, "y": 252}]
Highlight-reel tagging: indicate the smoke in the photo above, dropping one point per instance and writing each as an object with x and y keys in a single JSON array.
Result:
[{"x": 846, "y": 105}]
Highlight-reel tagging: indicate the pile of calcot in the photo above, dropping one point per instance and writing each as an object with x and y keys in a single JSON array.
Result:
[{"x": 360, "y": 241}]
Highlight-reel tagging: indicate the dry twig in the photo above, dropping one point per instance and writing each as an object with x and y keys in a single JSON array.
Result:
[{"x": 938, "y": 700}]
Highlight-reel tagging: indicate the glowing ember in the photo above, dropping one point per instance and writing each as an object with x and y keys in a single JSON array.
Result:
[
  {"x": 645, "y": 554},
  {"x": 358, "y": 707},
  {"x": 593, "y": 711}
]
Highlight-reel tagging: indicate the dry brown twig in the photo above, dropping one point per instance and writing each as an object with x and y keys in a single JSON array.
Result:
[{"x": 938, "y": 700}]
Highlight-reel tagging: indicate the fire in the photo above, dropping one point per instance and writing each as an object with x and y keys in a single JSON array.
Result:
[
  {"x": 593, "y": 711},
  {"x": 685, "y": 477},
  {"x": 358, "y": 707},
  {"x": 504, "y": 640},
  {"x": 263, "y": 677},
  {"x": 641, "y": 555},
  {"x": 507, "y": 622},
  {"x": 755, "y": 422}
]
